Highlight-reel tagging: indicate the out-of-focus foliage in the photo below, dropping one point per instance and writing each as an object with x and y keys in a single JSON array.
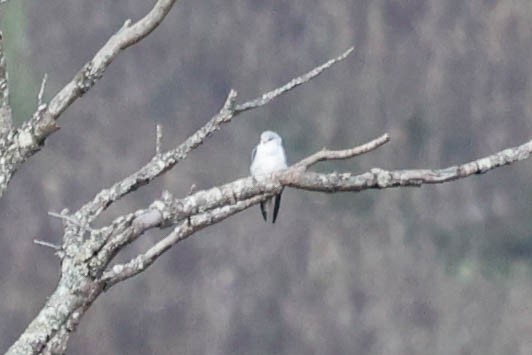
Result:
[
  {"x": 437, "y": 270},
  {"x": 13, "y": 23}
]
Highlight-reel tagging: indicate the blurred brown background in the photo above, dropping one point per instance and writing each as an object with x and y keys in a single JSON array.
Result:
[{"x": 436, "y": 270}]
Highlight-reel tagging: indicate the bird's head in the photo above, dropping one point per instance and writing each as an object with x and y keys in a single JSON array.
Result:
[{"x": 269, "y": 136}]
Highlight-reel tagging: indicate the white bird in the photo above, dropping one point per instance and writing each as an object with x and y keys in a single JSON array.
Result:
[{"x": 268, "y": 157}]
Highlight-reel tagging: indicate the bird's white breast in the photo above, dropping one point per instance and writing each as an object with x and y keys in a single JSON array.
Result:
[{"x": 269, "y": 157}]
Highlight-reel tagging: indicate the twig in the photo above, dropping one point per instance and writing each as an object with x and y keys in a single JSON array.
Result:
[
  {"x": 66, "y": 218},
  {"x": 343, "y": 154},
  {"x": 72, "y": 220},
  {"x": 126, "y": 24},
  {"x": 41, "y": 90},
  {"x": 47, "y": 244},
  {"x": 270, "y": 95},
  {"x": 158, "y": 139}
]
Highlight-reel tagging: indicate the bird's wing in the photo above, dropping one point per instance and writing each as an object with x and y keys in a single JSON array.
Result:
[
  {"x": 282, "y": 153},
  {"x": 253, "y": 153}
]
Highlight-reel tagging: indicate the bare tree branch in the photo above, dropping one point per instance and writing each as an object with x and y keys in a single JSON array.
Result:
[
  {"x": 121, "y": 272},
  {"x": 208, "y": 207},
  {"x": 88, "y": 253},
  {"x": 51, "y": 329},
  {"x": 17, "y": 145},
  {"x": 157, "y": 166},
  {"x": 92, "y": 71},
  {"x": 204, "y": 208},
  {"x": 267, "y": 97},
  {"x": 343, "y": 154},
  {"x": 6, "y": 120},
  {"x": 171, "y": 211},
  {"x": 382, "y": 179},
  {"x": 163, "y": 162}
]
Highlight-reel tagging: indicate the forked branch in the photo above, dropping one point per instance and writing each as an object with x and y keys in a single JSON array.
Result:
[
  {"x": 87, "y": 252},
  {"x": 165, "y": 161},
  {"x": 85, "y": 79},
  {"x": 18, "y": 144},
  {"x": 209, "y": 207}
]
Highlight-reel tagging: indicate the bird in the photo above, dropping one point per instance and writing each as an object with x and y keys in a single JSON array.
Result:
[{"x": 267, "y": 157}]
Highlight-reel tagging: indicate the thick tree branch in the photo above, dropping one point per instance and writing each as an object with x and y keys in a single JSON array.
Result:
[
  {"x": 163, "y": 162},
  {"x": 208, "y": 207},
  {"x": 17, "y": 145},
  {"x": 51, "y": 329},
  {"x": 44, "y": 123},
  {"x": 49, "y": 332},
  {"x": 121, "y": 272},
  {"x": 170, "y": 211},
  {"x": 159, "y": 164},
  {"x": 85, "y": 274},
  {"x": 382, "y": 179}
]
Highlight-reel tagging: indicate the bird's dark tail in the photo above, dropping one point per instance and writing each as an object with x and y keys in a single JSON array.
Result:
[
  {"x": 276, "y": 206},
  {"x": 263, "y": 211}
]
